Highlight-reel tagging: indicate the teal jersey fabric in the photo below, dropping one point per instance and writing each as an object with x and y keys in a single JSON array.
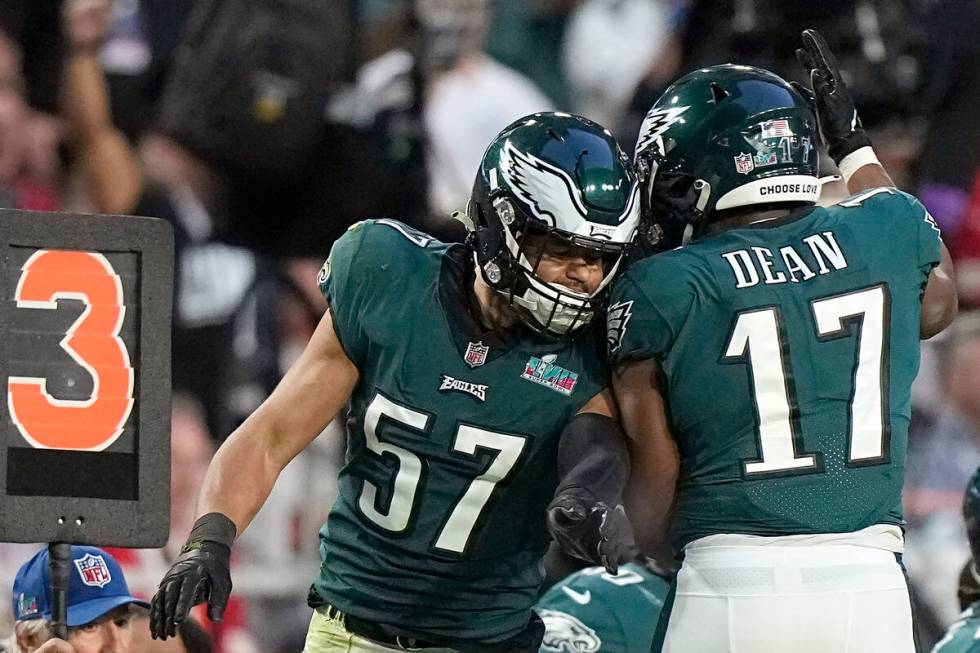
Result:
[
  {"x": 439, "y": 525},
  {"x": 788, "y": 348},
  {"x": 963, "y": 635},
  {"x": 592, "y": 610}
]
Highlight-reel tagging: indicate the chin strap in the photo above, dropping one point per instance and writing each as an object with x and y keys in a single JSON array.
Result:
[
  {"x": 464, "y": 218},
  {"x": 705, "y": 194}
]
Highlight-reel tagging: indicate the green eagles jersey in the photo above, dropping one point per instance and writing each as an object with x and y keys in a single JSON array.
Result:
[
  {"x": 592, "y": 610},
  {"x": 788, "y": 349},
  {"x": 963, "y": 635},
  {"x": 439, "y": 525}
]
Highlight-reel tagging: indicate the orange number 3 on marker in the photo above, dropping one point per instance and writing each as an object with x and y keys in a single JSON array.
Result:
[{"x": 92, "y": 341}]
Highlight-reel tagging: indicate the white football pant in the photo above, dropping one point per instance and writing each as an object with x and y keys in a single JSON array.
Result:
[{"x": 837, "y": 598}]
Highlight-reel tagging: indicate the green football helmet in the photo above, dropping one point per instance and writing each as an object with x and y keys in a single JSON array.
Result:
[
  {"x": 721, "y": 138},
  {"x": 562, "y": 177}
]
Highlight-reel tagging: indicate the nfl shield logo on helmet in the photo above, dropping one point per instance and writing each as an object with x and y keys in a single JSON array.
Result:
[
  {"x": 93, "y": 570},
  {"x": 476, "y": 354},
  {"x": 744, "y": 164}
]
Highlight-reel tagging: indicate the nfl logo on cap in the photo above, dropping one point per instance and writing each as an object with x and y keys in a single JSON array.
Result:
[
  {"x": 93, "y": 570},
  {"x": 476, "y": 354}
]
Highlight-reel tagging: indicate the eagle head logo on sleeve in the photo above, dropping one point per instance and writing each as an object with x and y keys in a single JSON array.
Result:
[{"x": 566, "y": 634}]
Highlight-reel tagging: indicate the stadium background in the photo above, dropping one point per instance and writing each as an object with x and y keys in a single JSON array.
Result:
[{"x": 261, "y": 132}]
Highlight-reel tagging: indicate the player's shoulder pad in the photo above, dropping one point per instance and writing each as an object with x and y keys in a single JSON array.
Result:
[
  {"x": 665, "y": 272},
  {"x": 889, "y": 213},
  {"x": 372, "y": 247},
  {"x": 887, "y": 201}
]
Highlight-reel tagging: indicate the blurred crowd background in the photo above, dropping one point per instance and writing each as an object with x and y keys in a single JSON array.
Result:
[{"x": 262, "y": 130}]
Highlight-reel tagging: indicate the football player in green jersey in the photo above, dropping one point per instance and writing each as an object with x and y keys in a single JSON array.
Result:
[
  {"x": 475, "y": 377},
  {"x": 963, "y": 635},
  {"x": 784, "y": 338},
  {"x": 592, "y": 610}
]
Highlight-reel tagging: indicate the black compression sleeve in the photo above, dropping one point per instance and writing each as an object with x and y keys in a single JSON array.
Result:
[{"x": 592, "y": 456}]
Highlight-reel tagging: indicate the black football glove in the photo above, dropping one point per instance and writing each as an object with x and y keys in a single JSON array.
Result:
[
  {"x": 590, "y": 530},
  {"x": 830, "y": 98},
  {"x": 200, "y": 573}
]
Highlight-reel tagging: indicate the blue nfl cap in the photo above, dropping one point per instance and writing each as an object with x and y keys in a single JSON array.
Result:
[{"x": 96, "y": 585}]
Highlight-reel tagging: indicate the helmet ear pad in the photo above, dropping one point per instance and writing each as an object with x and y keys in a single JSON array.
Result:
[
  {"x": 674, "y": 199},
  {"x": 498, "y": 267}
]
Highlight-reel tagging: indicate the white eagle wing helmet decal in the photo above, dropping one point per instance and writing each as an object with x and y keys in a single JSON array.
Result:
[
  {"x": 657, "y": 121},
  {"x": 552, "y": 196}
]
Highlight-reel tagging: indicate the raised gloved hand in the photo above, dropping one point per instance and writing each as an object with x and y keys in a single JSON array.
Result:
[
  {"x": 200, "y": 573},
  {"x": 590, "y": 530},
  {"x": 830, "y": 98}
]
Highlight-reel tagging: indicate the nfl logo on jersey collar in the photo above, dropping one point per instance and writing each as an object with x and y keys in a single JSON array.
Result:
[
  {"x": 543, "y": 371},
  {"x": 476, "y": 354}
]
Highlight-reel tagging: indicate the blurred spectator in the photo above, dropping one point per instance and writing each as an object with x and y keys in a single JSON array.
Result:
[
  {"x": 527, "y": 36},
  {"x": 32, "y": 172},
  {"x": 944, "y": 450},
  {"x": 211, "y": 277},
  {"x": 274, "y": 572},
  {"x": 191, "y": 638},
  {"x": 274, "y": 324},
  {"x": 291, "y": 181},
  {"x": 610, "y": 46},
  {"x": 108, "y": 165},
  {"x": 966, "y": 247},
  {"x": 878, "y": 44},
  {"x": 28, "y": 141},
  {"x": 35, "y": 25},
  {"x": 137, "y": 55},
  {"x": 100, "y": 607},
  {"x": 469, "y": 97},
  {"x": 944, "y": 454},
  {"x": 126, "y": 57},
  {"x": 191, "y": 451},
  {"x": 951, "y": 156}
]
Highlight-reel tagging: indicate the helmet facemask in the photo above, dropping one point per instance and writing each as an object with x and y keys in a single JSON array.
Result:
[
  {"x": 673, "y": 203},
  {"x": 550, "y": 186},
  {"x": 550, "y": 307}
]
